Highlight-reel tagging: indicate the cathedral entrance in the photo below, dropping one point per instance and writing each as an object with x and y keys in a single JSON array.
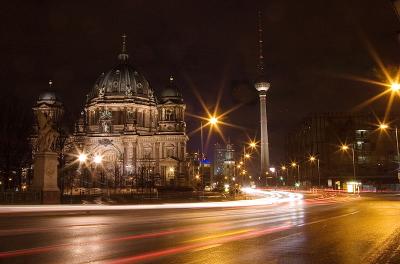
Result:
[{"x": 106, "y": 178}]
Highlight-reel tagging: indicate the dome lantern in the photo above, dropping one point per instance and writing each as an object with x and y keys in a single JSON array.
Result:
[
  {"x": 171, "y": 92},
  {"x": 122, "y": 82}
]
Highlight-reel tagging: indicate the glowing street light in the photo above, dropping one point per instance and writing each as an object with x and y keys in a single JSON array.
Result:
[
  {"x": 253, "y": 145},
  {"x": 283, "y": 168},
  {"x": 344, "y": 147},
  {"x": 213, "y": 120},
  {"x": 395, "y": 86},
  {"x": 97, "y": 159},
  {"x": 82, "y": 157},
  {"x": 312, "y": 158},
  {"x": 383, "y": 126},
  {"x": 247, "y": 156}
]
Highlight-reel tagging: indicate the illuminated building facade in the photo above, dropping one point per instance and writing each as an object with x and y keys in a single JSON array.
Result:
[
  {"x": 129, "y": 136},
  {"x": 321, "y": 135},
  {"x": 224, "y": 163}
]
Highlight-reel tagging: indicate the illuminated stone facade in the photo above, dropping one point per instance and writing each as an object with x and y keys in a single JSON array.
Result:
[{"x": 136, "y": 137}]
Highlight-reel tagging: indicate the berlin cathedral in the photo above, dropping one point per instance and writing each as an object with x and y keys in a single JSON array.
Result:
[{"x": 125, "y": 135}]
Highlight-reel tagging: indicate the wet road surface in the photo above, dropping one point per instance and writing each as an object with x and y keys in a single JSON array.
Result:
[{"x": 329, "y": 229}]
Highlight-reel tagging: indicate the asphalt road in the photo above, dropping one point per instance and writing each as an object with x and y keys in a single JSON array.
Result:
[{"x": 325, "y": 230}]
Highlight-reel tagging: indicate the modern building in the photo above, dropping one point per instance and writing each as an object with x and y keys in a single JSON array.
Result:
[
  {"x": 219, "y": 158},
  {"x": 224, "y": 163},
  {"x": 198, "y": 171},
  {"x": 321, "y": 135},
  {"x": 126, "y": 135}
]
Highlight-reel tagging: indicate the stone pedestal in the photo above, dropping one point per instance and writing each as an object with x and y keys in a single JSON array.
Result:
[{"x": 45, "y": 177}]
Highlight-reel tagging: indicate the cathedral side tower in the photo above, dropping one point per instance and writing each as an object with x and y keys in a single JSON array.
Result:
[{"x": 171, "y": 110}]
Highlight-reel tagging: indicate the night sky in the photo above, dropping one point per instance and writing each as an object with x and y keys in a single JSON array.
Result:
[{"x": 208, "y": 46}]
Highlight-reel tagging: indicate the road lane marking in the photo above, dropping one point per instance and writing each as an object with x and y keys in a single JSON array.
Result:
[
  {"x": 206, "y": 247},
  {"x": 220, "y": 235},
  {"x": 327, "y": 219}
]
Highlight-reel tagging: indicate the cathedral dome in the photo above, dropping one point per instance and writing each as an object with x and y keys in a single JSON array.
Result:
[
  {"x": 122, "y": 81},
  {"x": 48, "y": 97},
  {"x": 171, "y": 93}
]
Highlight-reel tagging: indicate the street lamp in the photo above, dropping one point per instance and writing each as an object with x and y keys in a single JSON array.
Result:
[
  {"x": 82, "y": 157},
  {"x": 383, "y": 126},
  {"x": 253, "y": 145},
  {"x": 294, "y": 164},
  {"x": 395, "y": 86},
  {"x": 213, "y": 120},
  {"x": 283, "y": 169},
  {"x": 312, "y": 160},
  {"x": 97, "y": 159},
  {"x": 345, "y": 148}
]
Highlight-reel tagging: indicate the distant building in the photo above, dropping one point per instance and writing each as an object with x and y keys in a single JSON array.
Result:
[
  {"x": 375, "y": 152},
  {"x": 193, "y": 168},
  {"x": 206, "y": 172},
  {"x": 224, "y": 163},
  {"x": 199, "y": 171},
  {"x": 219, "y": 158}
]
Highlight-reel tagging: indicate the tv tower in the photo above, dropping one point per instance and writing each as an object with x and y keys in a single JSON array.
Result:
[{"x": 262, "y": 87}]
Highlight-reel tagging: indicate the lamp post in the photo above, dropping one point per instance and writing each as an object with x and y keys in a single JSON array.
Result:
[
  {"x": 294, "y": 165},
  {"x": 274, "y": 171},
  {"x": 202, "y": 152},
  {"x": 252, "y": 145},
  {"x": 312, "y": 159},
  {"x": 383, "y": 127},
  {"x": 346, "y": 148},
  {"x": 283, "y": 168},
  {"x": 212, "y": 121}
]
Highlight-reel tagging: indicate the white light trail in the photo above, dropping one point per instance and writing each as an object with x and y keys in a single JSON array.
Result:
[{"x": 265, "y": 198}]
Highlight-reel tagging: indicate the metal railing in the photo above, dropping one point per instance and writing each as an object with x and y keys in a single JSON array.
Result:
[{"x": 27, "y": 197}]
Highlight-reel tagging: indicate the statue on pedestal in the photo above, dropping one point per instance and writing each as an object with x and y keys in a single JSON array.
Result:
[
  {"x": 47, "y": 135},
  {"x": 48, "y": 111}
]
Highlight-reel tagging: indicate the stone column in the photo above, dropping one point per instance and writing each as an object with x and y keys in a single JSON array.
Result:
[
  {"x": 45, "y": 177},
  {"x": 126, "y": 158},
  {"x": 157, "y": 157},
  {"x": 134, "y": 156}
]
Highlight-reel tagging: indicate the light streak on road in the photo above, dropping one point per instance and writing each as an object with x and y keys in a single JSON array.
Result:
[
  {"x": 261, "y": 197},
  {"x": 37, "y": 250},
  {"x": 180, "y": 249}
]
